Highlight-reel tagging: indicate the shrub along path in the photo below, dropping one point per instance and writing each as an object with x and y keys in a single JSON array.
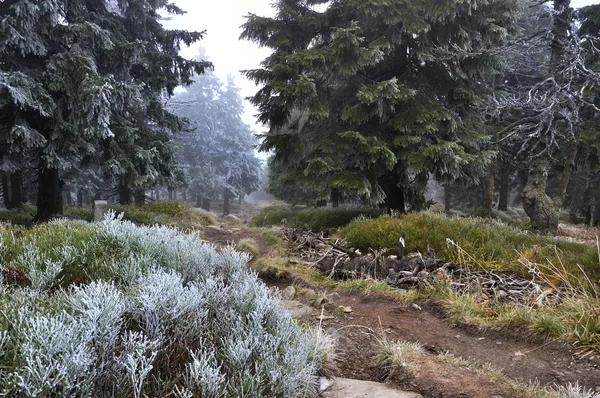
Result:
[{"x": 456, "y": 361}]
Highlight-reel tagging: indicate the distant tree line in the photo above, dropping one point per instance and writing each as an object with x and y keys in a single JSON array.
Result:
[
  {"x": 366, "y": 102},
  {"x": 84, "y": 86}
]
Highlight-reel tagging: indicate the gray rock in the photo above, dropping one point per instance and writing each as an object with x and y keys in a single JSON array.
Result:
[
  {"x": 297, "y": 309},
  {"x": 319, "y": 301},
  {"x": 288, "y": 293},
  {"x": 349, "y": 388},
  {"x": 100, "y": 209},
  {"x": 333, "y": 296},
  {"x": 309, "y": 294}
]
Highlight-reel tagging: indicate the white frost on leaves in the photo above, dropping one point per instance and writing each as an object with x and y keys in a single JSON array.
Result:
[{"x": 168, "y": 292}]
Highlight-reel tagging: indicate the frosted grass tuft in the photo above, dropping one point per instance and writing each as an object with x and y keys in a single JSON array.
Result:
[{"x": 161, "y": 312}]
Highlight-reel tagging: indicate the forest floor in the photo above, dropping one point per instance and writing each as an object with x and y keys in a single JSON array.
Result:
[{"x": 455, "y": 361}]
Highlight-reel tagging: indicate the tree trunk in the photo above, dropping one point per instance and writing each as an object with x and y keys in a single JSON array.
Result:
[
  {"x": 124, "y": 192},
  {"x": 504, "y": 186},
  {"x": 240, "y": 199},
  {"x": 542, "y": 211},
  {"x": 16, "y": 186},
  {"x": 69, "y": 199},
  {"x": 170, "y": 194},
  {"x": 157, "y": 194},
  {"x": 206, "y": 204},
  {"x": 447, "y": 199},
  {"x": 185, "y": 195},
  {"x": 139, "y": 197},
  {"x": 12, "y": 189},
  {"x": 578, "y": 188},
  {"x": 567, "y": 171},
  {"x": 335, "y": 197},
  {"x": 393, "y": 185},
  {"x": 198, "y": 200},
  {"x": 488, "y": 192},
  {"x": 6, "y": 191},
  {"x": 49, "y": 201},
  {"x": 226, "y": 203},
  {"x": 80, "y": 197}
]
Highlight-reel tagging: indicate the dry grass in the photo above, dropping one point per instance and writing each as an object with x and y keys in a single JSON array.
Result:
[{"x": 248, "y": 245}]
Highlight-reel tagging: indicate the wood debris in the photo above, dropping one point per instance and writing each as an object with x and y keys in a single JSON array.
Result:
[{"x": 334, "y": 258}]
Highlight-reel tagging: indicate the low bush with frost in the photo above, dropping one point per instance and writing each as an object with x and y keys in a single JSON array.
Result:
[{"x": 157, "y": 312}]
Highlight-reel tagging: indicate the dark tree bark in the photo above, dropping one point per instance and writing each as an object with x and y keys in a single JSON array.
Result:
[
  {"x": 69, "y": 199},
  {"x": 447, "y": 199},
  {"x": 6, "y": 191},
  {"x": 170, "y": 194},
  {"x": 49, "y": 201},
  {"x": 206, "y": 204},
  {"x": 488, "y": 192},
  {"x": 198, "y": 200},
  {"x": 335, "y": 197},
  {"x": 240, "y": 199},
  {"x": 504, "y": 186},
  {"x": 541, "y": 209},
  {"x": 12, "y": 189},
  {"x": 184, "y": 195},
  {"x": 124, "y": 192},
  {"x": 393, "y": 184},
  {"x": 578, "y": 187},
  {"x": 567, "y": 171},
  {"x": 139, "y": 197},
  {"x": 226, "y": 198},
  {"x": 16, "y": 185},
  {"x": 80, "y": 197}
]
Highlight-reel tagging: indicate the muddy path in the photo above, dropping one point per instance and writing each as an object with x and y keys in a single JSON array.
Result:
[{"x": 514, "y": 353}]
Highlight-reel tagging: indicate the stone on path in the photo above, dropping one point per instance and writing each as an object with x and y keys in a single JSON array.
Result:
[
  {"x": 349, "y": 388},
  {"x": 288, "y": 293},
  {"x": 297, "y": 309}
]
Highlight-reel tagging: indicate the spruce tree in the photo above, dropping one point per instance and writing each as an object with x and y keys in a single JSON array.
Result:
[
  {"x": 370, "y": 98},
  {"x": 217, "y": 151},
  {"x": 79, "y": 79}
]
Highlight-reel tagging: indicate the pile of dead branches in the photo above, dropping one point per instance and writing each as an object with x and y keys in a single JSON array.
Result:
[{"x": 334, "y": 258}]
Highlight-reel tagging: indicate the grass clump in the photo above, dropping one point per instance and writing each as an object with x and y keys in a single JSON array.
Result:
[
  {"x": 315, "y": 219},
  {"x": 490, "y": 244},
  {"x": 392, "y": 357},
  {"x": 82, "y": 213},
  {"x": 158, "y": 313},
  {"x": 172, "y": 213},
  {"x": 22, "y": 215},
  {"x": 249, "y": 246}
]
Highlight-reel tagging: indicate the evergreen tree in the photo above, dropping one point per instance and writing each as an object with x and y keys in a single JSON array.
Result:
[
  {"x": 217, "y": 152},
  {"x": 80, "y": 79},
  {"x": 370, "y": 98}
]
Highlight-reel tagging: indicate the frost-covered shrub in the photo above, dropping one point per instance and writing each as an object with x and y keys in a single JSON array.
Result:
[{"x": 158, "y": 312}]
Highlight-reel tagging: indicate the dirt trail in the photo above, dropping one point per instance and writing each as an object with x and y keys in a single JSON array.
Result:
[
  {"x": 515, "y": 353},
  {"x": 512, "y": 353}
]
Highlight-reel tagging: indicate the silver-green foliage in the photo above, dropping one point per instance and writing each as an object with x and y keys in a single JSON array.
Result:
[{"x": 168, "y": 313}]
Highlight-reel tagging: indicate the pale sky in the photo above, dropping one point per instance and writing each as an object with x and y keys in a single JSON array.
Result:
[{"x": 222, "y": 20}]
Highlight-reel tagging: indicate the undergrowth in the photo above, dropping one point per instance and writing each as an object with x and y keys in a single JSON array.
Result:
[
  {"x": 490, "y": 244},
  {"x": 173, "y": 213},
  {"x": 114, "y": 309},
  {"x": 315, "y": 219}
]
